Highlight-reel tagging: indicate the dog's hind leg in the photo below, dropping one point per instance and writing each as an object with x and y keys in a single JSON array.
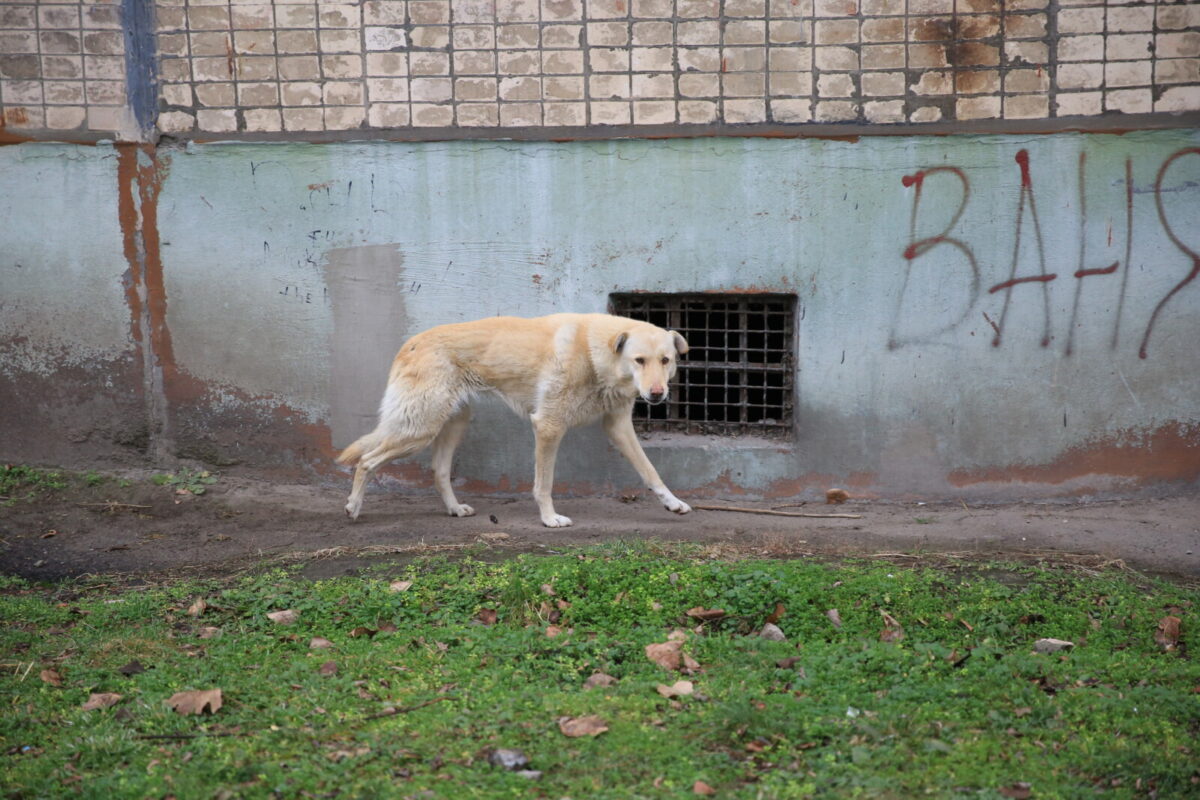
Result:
[
  {"x": 443, "y": 456},
  {"x": 375, "y": 458}
]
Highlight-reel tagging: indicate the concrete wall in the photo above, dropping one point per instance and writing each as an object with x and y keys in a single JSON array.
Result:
[{"x": 962, "y": 329}]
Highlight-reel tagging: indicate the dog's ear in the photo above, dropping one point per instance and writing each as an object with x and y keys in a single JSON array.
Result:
[
  {"x": 619, "y": 342},
  {"x": 681, "y": 345}
]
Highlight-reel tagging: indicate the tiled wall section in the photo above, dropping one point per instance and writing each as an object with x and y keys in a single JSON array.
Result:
[
  {"x": 228, "y": 66},
  {"x": 62, "y": 65}
]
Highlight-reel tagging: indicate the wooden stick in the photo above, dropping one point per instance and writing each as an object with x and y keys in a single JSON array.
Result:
[
  {"x": 185, "y": 735},
  {"x": 392, "y": 711},
  {"x": 775, "y": 513},
  {"x": 111, "y": 504}
]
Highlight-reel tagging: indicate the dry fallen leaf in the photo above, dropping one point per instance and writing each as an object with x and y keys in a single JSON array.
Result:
[
  {"x": 400, "y": 586},
  {"x": 328, "y": 668},
  {"x": 666, "y": 654},
  {"x": 101, "y": 700},
  {"x": 51, "y": 677},
  {"x": 1167, "y": 635},
  {"x": 209, "y": 632},
  {"x": 705, "y": 614},
  {"x": 677, "y": 689},
  {"x": 700, "y": 787},
  {"x": 548, "y": 589},
  {"x": 363, "y": 630},
  {"x": 1017, "y": 791},
  {"x": 554, "y": 630},
  {"x": 494, "y": 536},
  {"x": 835, "y": 497},
  {"x": 487, "y": 616},
  {"x": 342, "y": 755},
  {"x": 286, "y": 617},
  {"x": 834, "y": 617},
  {"x": 574, "y": 727},
  {"x": 599, "y": 680},
  {"x": 892, "y": 631},
  {"x": 1051, "y": 645},
  {"x": 776, "y": 615},
  {"x": 319, "y": 643},
  {"x": 132, "y": 668},
  {"x": 196, "y": 702},
  {"x": 197, "y": 608}
]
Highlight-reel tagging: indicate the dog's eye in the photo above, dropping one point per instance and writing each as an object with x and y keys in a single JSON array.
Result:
[
  {"x": 640, "y": 360},
  {"x": 666, "y": 361}
]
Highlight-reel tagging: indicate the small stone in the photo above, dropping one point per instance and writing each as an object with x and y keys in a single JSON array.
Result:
[
  {"x": 530, "y": 774},
  {"x": 509, "y": 759},
  {"x": 772, "y": 632},
  {"x": 1051, "y": 645}
]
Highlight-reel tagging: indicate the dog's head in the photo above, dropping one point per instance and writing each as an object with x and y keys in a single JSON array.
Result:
[{"x": 649, "y": 356}]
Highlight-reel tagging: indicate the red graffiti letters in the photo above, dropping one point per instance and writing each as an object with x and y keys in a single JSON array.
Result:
[
  {"x": 919, "y": 246},
  {"x": 1043, "y": 277},
  {"x": 1162, "y": 217}
]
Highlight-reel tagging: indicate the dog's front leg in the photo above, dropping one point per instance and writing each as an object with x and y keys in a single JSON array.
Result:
[
  {"x": 547, "y": 437},
  {"x": 619, "y": 426}
]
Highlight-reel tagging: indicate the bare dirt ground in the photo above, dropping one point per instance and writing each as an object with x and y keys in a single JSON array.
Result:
[{"x": 241, "y": 522}]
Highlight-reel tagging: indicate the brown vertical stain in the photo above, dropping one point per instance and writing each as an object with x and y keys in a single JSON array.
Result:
[
  {"x": 140, "y": 174},
  {"x": 128, "y": 215}
]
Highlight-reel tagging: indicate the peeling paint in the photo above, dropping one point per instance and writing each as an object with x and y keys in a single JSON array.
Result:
[{"x": 1131, "y": 458}]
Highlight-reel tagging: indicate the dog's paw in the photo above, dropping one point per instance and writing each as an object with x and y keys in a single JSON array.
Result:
[
  {"x": 352, "y": 511},
  {"x": 461, "y": 510},
  {"x": 679, "y": 507},
  {"x": 556, "y": 521}
]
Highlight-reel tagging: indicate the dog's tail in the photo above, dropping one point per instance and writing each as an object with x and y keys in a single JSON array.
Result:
[{"x": 354, "y": 452}]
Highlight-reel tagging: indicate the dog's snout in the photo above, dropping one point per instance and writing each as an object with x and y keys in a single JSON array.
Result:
[{"x": 657, "y": 396}]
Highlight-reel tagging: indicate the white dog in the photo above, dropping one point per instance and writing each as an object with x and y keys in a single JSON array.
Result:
[{"x": 560, "y": 371}]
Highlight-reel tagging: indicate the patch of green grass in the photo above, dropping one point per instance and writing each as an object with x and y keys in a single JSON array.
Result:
[
  {"x": 195, "y": 481},
  {"x": 20, "y": 482},
  {"x": 959, "y": 706}
]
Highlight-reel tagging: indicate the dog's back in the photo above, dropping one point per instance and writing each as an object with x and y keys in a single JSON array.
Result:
[{"x": 435, "y": 372}]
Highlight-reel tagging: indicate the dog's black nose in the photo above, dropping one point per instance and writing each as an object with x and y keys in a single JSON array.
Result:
[{"x": 657, "y": 397}]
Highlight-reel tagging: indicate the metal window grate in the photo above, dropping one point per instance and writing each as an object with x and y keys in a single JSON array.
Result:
[{"x": 738, "y": 375}]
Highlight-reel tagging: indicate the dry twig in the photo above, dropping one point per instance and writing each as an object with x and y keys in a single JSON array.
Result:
[{"x": 744, "y": 510}]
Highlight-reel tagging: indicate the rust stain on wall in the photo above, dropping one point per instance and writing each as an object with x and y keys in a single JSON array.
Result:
[
  {"x": 1168, "y": 454},
  {"x": 128, "y": 215}
]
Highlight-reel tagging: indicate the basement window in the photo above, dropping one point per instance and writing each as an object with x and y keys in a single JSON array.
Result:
[{"x": 738, "y": 376}]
